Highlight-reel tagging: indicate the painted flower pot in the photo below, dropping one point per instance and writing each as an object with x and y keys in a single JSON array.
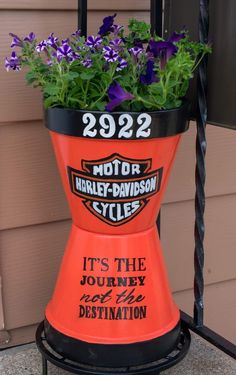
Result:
[{"x": 112, "y": 305}]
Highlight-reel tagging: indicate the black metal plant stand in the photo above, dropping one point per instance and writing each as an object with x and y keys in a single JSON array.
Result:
[{"x": 153, "y": 368}]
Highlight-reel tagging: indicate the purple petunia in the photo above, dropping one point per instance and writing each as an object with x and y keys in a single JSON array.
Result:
[
  {"x": 93, "y": 42},
  {"x": 87, "y": 63},
  {"x": 65, "y": 41},
  {"x": 157, "y": 47},
  {"x": 116, "y": 29},
  {"x": 117, "y": 96},
  {"x": 52, "y": 41},
  {"x": 109, "y": 54},
  {"x": 150, "y": 76},
  {"x": 41, "y": 46},
  {"x": 13, "y": 63},
  {"x": 135, "y": 51},
  {"x": 76, "y": 34},
  {"x": 163, "y": 50},
  {"x": 115, "y": 43},
  {"x": 16, "y": 41},
  {"x": 64, "y": 51},
  {"x": 50, "y": 59},
  {"x": 30, "y": 38},
  {"x": 122, "y": 64},
  {"x": 176, "y": 37},
  {"x": 49, "y": 62},
  {"x": 74, "y": 56},
  {"x": 107, "y": 25},
  {"x": 138, "y": 43}
]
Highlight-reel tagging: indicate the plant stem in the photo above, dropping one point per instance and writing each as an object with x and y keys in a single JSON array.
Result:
[
  {"x": 198, "y": 62},
  {"x": 140, "y": 99}
]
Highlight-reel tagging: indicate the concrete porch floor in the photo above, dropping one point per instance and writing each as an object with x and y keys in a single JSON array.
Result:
[{"x": 202, "y": 359}]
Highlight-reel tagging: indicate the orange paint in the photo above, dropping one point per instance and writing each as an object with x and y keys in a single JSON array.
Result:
[{"x": 121, "y": 294}]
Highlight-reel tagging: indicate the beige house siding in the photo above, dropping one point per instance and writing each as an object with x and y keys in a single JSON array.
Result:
[{"x": 34, "y": 217}]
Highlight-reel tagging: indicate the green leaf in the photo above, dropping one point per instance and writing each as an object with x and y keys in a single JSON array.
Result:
[
  {"x": 70, "y": 76},
  {"x": 139, "y": 29},
  {"x": 51, "y": 89},
  {"x": 137, "y": 106},
  {"x": 100, "y": 106},
  {"x": 30, "y": 77},
  {"x": 50, "y": 101},
  {"x": 155, "y": 89},
  {"x": 87, "y": 75}
]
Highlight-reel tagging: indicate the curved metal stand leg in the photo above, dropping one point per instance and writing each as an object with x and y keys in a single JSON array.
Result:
[
  {"x": 44, "y": 366},
  {"x": 152, "y": 368}
]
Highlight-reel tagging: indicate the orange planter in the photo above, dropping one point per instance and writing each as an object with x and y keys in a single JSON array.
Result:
[{"x": 112, "y": 304}]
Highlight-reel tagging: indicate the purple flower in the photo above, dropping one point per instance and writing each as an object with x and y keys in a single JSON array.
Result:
[
  {"x": 138, "y": 43},
  {"x": 52, "y": 41},
  {"x": 74, "y": 56},
  {"x": 116, "y": 43},
  {"x": 109, "y": 54},
  {"x": 16, "y": 41},
  {"x": 117, "y": 96},
  {"x": 150, "y": 76},
  {"x": 157, "y": 47},
  {"x": 176, "y": 37},
  {"x": 163, "y": 50},
  {"x": 135, "y": 51},
  {"x": 64, "y": 51},
  {"x": 76, "y": 34},
  {"x": 13, "y": 63},
  {"x": 50, "y": 58},
  {"x": 30, "y": 38},
  {"x": 41, "y": 46},
  {"x": 65, "y": 41},
  {"x": 87, "y": 63},
  {"x": 107, "y": 25},
  {"x": 122, "y": 64},
  {"x": 49, "y": 62},
  {"x": 93, "y": 42},
  {"x": 116, "y": 29}
]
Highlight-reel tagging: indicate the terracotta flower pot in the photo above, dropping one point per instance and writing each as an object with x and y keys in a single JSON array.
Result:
[{"x": 112, "y": 304}]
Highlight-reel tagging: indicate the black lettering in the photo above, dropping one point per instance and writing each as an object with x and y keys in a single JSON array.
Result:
[
  {"x": 129, "y": 298},
  {"x": 83, "y": 280},
  {"x": 81, "y": 311},
  {"x": 113, "y": 313},
  {"x": 111, "y": 282},
  {"x": 133, "y": 281},
  {"x": 141, "y": 264},
  {"x": 143, "y": 312},
  {"x": 105, "y": 264}
]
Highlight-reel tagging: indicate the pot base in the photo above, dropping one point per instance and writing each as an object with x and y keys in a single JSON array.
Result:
[
  {"x": 112, "y": 355},
  {"x": 152, "y": 368}
]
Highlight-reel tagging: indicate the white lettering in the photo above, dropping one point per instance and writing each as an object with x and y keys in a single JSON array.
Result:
[
  {"x": 125, "y": 170},
  {"x": 98, "y": 170},
  {"x": 135, "y": 169},
  {"x": 116, "y": 211}
]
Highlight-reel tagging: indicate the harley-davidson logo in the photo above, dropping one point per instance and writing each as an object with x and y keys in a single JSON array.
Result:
[{"x": 115, "y": 189}]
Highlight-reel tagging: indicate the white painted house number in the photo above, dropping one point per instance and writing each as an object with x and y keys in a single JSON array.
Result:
[{"x": 107, "y": 128}]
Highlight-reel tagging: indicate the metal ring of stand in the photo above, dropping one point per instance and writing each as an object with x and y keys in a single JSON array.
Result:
[{"x": 153, "y": 368}]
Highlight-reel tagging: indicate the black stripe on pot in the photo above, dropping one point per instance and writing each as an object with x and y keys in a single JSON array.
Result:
[
  {"x": 112, "y": 355},
  {"x": 118, "y": 125}
]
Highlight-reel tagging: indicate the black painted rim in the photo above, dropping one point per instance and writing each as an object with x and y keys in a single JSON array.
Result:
[
  {"x": 172, "y": 359},
  {"x": 112, "y": 355},
  {"x": 164, "y": 123}
]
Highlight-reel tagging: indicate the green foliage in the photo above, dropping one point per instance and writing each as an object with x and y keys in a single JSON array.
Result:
[
  {"x": 140, "y": 30},
  {"x": 71, "y": 84}
]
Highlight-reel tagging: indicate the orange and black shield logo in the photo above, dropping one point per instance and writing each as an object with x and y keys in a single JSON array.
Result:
[{"x": 115, "y": 189}]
